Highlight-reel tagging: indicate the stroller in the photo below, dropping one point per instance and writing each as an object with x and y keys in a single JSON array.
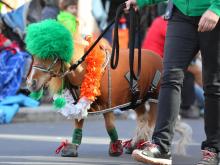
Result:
[
  {"x": 12, "y": 24},
  {"x": 15, "y": 62}
]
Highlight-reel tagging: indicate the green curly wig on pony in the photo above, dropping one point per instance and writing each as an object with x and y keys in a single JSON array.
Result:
[{"x": 49, "y": 39}]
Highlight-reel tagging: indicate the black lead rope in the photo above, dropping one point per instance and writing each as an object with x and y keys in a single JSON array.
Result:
[
  {"x": 119, "y": 11},
  {"x": 134, "y": 27},
  {"x": 115, "y": 45},
  {"x": 74, "y": 66},
  {"x": 134, "y": 23},
  {"x": 133, "y": 30}
]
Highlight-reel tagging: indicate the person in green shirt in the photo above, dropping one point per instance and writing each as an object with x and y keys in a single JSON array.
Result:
[{"x": 194, "y": 25}]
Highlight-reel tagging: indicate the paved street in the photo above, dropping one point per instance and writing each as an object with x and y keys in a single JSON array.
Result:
[{"x": 35, "y": 143}]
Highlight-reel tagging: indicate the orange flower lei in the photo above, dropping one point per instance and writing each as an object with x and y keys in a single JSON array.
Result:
[{"x": 90, "y": 87}]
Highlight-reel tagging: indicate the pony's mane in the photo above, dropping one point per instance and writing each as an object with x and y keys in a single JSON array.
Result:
[{"x": 79, "y": 45}]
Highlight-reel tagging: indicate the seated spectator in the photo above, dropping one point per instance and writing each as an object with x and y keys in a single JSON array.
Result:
[
  {"x": 155, "y": 36},
  {"x": 50, "y": 10}
]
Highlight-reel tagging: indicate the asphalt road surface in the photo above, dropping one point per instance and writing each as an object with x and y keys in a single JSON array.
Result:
[{"x": 35, "y": 143}]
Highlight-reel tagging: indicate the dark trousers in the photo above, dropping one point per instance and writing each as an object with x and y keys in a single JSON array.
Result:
[
  {"x": 183, "y": 41},
  {"x": 188, "y": 91}
]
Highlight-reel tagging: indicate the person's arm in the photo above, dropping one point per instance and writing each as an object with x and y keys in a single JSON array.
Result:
[
  {"x": 210, "y": 18},
  {"x": 215, "y": 6}
]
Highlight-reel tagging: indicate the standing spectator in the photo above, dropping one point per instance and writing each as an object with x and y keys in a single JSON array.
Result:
[
  {"x": 50, "y": 10},
  {"x": 155, "y": 36},
  {"x": 41, "y": 9},
  {"x": 104, "y": 13},
  {"x": 100, "y": 10},
  {"x": 193, "y": 26},
  {"x": 68, "y": 14}
]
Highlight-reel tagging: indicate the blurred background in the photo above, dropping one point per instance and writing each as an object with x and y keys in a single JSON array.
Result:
[{"x": 23, "y": 119}]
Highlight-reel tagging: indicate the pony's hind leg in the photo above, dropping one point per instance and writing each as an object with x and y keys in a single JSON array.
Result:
[
  {"x": 146, "y": 118},
  {"x": 71, "y": 149},
  {"x": 145, "y": 124},
  {"x": 115, "y": 147}
]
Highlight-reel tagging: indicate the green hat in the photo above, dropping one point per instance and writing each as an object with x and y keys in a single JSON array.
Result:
[{"x": 49, "y": 39}]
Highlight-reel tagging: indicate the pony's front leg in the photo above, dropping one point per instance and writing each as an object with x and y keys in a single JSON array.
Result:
[
  {"x": 71, "y": 149},
  {"x": 77, "y": 133},
  {"x": 115, "y": 146}
]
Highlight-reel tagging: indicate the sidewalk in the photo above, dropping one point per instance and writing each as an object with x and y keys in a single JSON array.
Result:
[
  {"x": 43, "y": 113},
  {"x": 47, "y": 113}
]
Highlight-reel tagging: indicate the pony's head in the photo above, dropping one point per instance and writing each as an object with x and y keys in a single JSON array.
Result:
[
  {"x": 51, "y": 45},
  {"x": 42, "y": 71}
]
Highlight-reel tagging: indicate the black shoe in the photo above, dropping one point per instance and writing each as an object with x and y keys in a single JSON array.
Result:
[
  {"x": 152, "y": 154},
  {"x": 209, "y": 157}
]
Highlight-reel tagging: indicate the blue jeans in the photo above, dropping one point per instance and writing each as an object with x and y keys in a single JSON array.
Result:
[
  {"x": 183, "y": 41},
  {"x": 108, "y": 34},
  {"x": 199, "y": 93}
]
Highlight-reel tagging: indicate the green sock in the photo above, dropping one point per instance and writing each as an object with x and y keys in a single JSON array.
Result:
[
  {"x": 113, "y": 134},
  {"x": 77, "y": 136}
]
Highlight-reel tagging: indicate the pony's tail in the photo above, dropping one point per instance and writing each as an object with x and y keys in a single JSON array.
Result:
[{"x": 185, "y": 132}]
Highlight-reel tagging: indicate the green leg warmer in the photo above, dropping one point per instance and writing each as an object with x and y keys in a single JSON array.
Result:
[
  {"x": 77, "y": 136},
  {"x": 113, "y": 134}
]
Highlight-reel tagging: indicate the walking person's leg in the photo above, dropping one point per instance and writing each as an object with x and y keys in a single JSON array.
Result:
[
  {"x": 210, "y": 49},
  {"x": 180, "y": 47}
]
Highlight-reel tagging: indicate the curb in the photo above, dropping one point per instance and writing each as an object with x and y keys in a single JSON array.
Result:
[
  {"x": 43, "y": 113},
  {"x": 47, "y": 113}
]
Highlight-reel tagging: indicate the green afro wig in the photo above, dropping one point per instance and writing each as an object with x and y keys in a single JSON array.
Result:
[{"x": 49, "y": 39}]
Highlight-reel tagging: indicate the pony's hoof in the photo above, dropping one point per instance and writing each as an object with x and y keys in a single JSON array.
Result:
[
  {"x": 116, "y": 148},
  {"x": 129, "y": 148},
  {"x": 70, "y": 150}
]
